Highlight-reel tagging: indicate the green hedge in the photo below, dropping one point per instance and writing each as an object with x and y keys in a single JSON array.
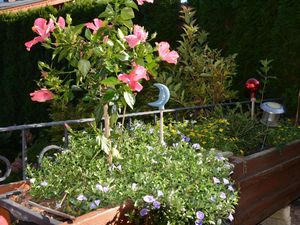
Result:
[
  {"x": 257, "y": 30},
  {"x": 18, "y": 68}
]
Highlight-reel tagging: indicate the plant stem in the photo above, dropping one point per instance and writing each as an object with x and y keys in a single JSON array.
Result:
[{"x": 107, "y": 130}]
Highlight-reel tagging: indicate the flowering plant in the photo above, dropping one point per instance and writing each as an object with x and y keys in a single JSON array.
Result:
[
  {"x": 162, "y": 186},
  {"x": 105, "y": 59}
]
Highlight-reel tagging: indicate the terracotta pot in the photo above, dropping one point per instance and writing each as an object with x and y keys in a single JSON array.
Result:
[
  {"x": 268, "y": 181},
  {"x": 110, "y": 216}
]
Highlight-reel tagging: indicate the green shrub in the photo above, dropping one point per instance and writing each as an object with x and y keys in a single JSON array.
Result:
[
  {"x": 143, "y": 169},
  {"x": 202, "y": 75}
]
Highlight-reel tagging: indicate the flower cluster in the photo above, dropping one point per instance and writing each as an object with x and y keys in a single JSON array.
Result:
[{"x": 153, "y": 203}]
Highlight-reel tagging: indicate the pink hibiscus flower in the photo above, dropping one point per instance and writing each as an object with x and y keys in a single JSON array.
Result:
[
  {"x": 43, "y": 29},
  {"x": 61, "y": 22},
  {"x": 138, "y": 73},
  {"x": 165, "y": 53},
  {"x": 141, "y": 2},
  {"x": 139, "y": 35},
  {"x": 94, "y": 26},
  {"x": 42, "y": 95}
]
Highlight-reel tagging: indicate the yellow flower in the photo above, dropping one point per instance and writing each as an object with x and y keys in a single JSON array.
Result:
[
  {"x": 221, "y": 129},
  {"x": 203, "y": 142},
  {"x": 211, "y": 138}
]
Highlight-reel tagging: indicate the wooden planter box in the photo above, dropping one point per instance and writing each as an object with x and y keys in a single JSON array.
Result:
[
  {"x": 111, "y": 216},
  {"x": 268, "y": 181}
]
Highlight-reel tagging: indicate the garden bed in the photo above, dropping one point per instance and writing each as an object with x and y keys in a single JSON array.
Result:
[{"x": 268, "y": 181}]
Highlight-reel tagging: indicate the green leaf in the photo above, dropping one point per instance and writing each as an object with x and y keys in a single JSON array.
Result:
[
  {"x": 88, "y": 34},
  {"x": 110, "y": 81},
  {"x": 127, "y": 13},
  {"x": 130, "y": 99},
  {"x": 131, "y": 4},
  {"x": 124, "y": 56},
  {"x": 110, "y": 95},
  {"x": 84, "y": 66},
  {"x": 127, "y": 23}
]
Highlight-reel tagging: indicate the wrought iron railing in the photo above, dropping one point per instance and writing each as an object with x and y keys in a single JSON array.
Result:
[{"x": 24, "y": 128}]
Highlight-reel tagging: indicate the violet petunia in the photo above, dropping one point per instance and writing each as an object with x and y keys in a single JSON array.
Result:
[
  {"x": 144, "y": 212},
  {"x": 149, "y": 198}
]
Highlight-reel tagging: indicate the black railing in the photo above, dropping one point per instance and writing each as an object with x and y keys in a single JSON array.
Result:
[{"x": 24, "y": 128}]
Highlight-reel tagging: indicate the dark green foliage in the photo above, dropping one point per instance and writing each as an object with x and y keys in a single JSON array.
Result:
[
  {"x": 161, "y": 17},
  {"x": 257, "y": 30}
]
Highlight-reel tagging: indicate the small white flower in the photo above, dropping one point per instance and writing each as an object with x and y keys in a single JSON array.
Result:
[
  {"x": 44, "y": 183},
  {"x": 230, "y": 217},
  {"x": 81, "y": 197},
  {"x": 225, "y": 181},
  {"x": 196, "y": 146},
  {"x": 97, "y": 202},
  {"x": 216, "y": 180},
  {"x": 230, "y": 188},
  {"x": 134, "y": 186},
  {"x": 223, "y": 195},
  {"x": 175, "y": 145},
  {"x": 151, "y": 130},
  {"x": 57, "y": 206},
  {"x": 102, "y": 188},
  {"x": 32, "y": 180},
  {"x": 150, "y": 148},
  {"x": 159, "y": 193}
]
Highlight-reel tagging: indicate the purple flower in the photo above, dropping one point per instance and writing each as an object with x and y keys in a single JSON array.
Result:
[
  {"x": 216, "y": 180},
  {"x": 198, "y": 222},
  {"x": 149, "y": 198},
  {"x": 156, "y": 204},
  {"x": 144, "y": 212},
  {"x": 230, "y": 217},
  {"x": 185, "y": 138},
  {"x": 93, "y": 205},
  {"x": 222, "y": 195},
  {"x": 200, "y": 215},
  {"x": 220, "y": 158},
  {"x": 196, "y": 146},
  {"x": 81, "y": 198}
]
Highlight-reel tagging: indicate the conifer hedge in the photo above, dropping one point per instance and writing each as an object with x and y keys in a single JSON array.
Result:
[{"x": 257, "y": 30}]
